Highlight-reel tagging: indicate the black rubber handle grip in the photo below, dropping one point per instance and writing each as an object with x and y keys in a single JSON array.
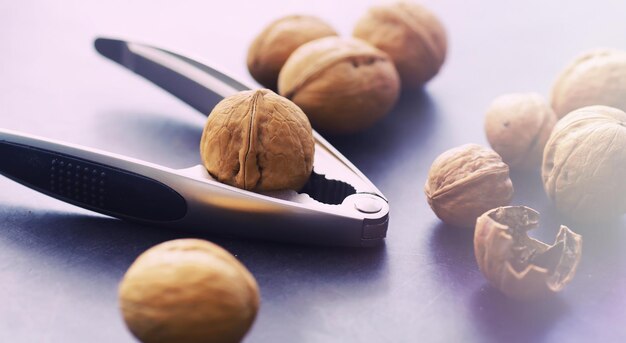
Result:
[{"x": 91, "y": 185}]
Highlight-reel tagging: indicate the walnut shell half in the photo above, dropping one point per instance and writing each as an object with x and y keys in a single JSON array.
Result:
[
  {"x": 519, "y": 266},
  {"x": 466, "y": 181},
  {"x": 584, "y": 164},
  {"x": 258, "y": 140}
]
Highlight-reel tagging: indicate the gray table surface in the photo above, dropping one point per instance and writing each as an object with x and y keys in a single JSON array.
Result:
[{"x": 60, "y": 265}]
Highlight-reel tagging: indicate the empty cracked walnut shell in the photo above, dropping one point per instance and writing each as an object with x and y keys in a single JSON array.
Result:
[
  {"x": 271, "y": 48},
  {"x": 519, "y": 266},
  {"x": 188, "y": 290},
  {"x": 466, "y": 181},
  {"x": 584, "y": 164},
  {"x": 344, "y": 85},
  {"x": 259, "y": 141},
  {"x": 518, "y": 126},
  {"x": 412, "y": 35},
  {"x": 597, "y": 77}
]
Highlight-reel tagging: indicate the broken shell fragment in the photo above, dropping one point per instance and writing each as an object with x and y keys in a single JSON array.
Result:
[{"x": 519, "y": 266}]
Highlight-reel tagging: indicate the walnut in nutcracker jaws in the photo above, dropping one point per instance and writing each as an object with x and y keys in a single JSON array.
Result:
[
  {"x": 412, "y": 35},
  {"x": 597, "y": 77},
  {"x": 344, "y": 85},
  {"x": 258, "y": 140},
  {"x": 519, "y": 266},
  {"x": 518, "y": 126},
  {"x": 271, "y": 48},
  {"x": 466, "y": 181},
  {"x": 188, "y": 290},
  {"x": 584, "y": 164}
]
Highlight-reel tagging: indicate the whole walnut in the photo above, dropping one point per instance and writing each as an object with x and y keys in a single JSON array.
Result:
[
  {"x": 188, "y": 290},
  {"x": 344, "y": 85},
  {"x": 271, "y": 48},
  {"x": 519, "y": 266},
  {"x": 584, "y": 164},
  {"x": 466, "y": 181},
  {"x": 258, "y": 140},
  {"x": 597, "y": 77},
  {"x": 518, "y": 126},
  {"x": 412, "y": 35}
]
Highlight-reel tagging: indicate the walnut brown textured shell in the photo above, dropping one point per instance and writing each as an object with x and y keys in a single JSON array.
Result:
[
  {"x": 584, "y": 164},
  {"x": 271, "y": 48},
  {"x": 466, "y": 181},
  {"x": 188, "y": 290},
  {"x": 519, "y": 266},
  {"x": 258, "y": 140},
  {"x": 411, "y": 34},
  {"x": 344, "y": 85},
  {"x": 518, "y": 126},
  {"x": 597, "y": 77}
]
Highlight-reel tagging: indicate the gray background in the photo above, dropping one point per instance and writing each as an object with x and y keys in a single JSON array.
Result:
[{"x": 60, "y": 265}]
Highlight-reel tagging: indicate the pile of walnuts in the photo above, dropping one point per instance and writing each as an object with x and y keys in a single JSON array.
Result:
[
  {"x": 345, "y": 85},
  {"x": 262, "y": 141},
  {"x": 577, "y": 142}
]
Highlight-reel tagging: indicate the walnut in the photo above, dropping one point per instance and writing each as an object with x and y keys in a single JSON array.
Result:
[
  {"x": 466, "y": 181},
  {"x": 344, "y": 85},
  {"x": 258, "y": 140},
  {"x": 413, "y": 37},
  {"x": 518, "y": 126},
  {"x": 584, "y": 164},
  {"x": 519, "y": 266},
  {"x": 271, "y": 48},
  {"x": 597, "y": 77},
  {"x": 188, "y": 290}
]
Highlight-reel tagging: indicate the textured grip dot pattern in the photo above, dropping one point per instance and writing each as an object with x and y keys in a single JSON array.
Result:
[
  {"x": 78, "y": 182},
  {"x": 91, "y": 184}
]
